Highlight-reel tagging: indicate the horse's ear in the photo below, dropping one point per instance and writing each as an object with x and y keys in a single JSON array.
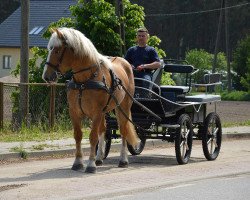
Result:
[
  {"x": 52, "y": 30},
  {"x": 60, "y": 35}
]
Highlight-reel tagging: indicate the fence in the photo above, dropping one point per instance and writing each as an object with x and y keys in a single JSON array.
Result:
[{"x": 47, "y": 105}]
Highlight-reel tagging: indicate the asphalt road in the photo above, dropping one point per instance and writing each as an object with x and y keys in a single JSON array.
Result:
[
  {"x": 229, "y": 187},
  {"x": 155, "y": 171}
]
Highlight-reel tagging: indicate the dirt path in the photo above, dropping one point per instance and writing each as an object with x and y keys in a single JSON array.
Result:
[{"x": 233, "y": 111}]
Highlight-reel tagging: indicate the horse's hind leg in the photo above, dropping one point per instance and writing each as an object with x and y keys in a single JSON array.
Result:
[
  {"x": 128, "y": 134},
  {"x": 123, "y": 154},
  {"x": 78, "y": 163},
  {"x": 98, "y": 127}
]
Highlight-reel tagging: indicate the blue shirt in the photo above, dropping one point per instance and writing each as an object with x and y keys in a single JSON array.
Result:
[{"x": 141, "y": 55}]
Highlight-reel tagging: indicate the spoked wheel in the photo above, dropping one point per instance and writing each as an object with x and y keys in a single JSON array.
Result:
[
  {"x": 211, "y": 136},
  {"x": 184, "y": 139},
  {"x": 139, "y": 147},
  {"x": 107, "y": 143}
]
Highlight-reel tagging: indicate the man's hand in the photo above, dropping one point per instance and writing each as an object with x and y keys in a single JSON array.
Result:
[{"x": 140, "y": 68}]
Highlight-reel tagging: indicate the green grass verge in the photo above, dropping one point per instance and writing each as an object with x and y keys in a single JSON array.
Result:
[
  {"x": 232, "y": 124},
  {"x": 37, "y": 134}
]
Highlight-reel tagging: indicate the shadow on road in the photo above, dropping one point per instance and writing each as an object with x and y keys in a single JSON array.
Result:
[{"x": 110, "y": 165}]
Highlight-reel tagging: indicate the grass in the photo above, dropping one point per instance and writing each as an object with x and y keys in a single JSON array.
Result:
[
  {"x": 232, "y": 124},
  {"x": 36, "y": 133},
  {"x": 26, "y": 135},
  {"x": 21, "y": 150}
]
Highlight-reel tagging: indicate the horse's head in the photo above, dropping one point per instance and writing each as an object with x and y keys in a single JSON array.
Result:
[{"x": 57, "y": 60}]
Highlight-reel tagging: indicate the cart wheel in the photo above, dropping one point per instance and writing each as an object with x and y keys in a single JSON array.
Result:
[
  {"x": 184, "y": 139},
  {"x": 107, "y": 143},
  {"x": 211, "y": 137},
  {"x": 139, "y": 147}
]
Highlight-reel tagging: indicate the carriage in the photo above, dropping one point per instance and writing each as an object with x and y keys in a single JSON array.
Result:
[
  {"x": 101, "y": 84},
  {"x": 171, "y": 114}
]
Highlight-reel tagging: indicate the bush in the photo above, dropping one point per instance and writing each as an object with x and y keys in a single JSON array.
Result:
[
  {"x": 235, "y": 96},
  {"x": 203, "y": 60},
  {"x": 241, "y": 64}
]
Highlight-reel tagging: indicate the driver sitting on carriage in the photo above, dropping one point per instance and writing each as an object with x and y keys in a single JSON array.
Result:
[{"x": 143, "y": 58}]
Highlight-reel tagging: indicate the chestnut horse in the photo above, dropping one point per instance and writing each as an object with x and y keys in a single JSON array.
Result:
[{"x": 99, "y": 85}]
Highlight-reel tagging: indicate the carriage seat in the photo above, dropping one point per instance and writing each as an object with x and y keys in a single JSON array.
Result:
[
  {"x": 174, "y": 93},
  {"x": 210, "y": 81},
  {"x": 175, "y": 88},
  {"x": 203, "y": 98}
]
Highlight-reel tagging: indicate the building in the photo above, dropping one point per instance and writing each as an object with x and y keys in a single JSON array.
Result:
[{"x": 42, "y": 13}]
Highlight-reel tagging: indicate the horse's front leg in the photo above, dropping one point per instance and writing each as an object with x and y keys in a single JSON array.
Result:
[
  {"x": 78, "y": 163},
  {"x": 98, "y": 127},
  {"x": 123, "y": 155},
  {"x": 100, "y": 150}
]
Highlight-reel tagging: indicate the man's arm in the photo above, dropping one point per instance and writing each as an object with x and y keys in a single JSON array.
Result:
[{"x": 153, "y": 65}]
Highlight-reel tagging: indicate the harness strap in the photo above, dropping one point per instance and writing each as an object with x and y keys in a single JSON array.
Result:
[
  {"x": 89, "y": 85},
  {"x": 115, "y": 82},
  {"x": 98, "y": 85}
]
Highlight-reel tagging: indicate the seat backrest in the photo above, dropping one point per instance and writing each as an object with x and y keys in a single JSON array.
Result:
[
  {"x": 212, "y": 78},
  {"x": 156, "y": 78}
]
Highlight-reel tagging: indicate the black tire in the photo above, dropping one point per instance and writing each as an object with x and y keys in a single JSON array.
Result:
[
  {"x": 183, "y": 139},
  {"x": 139, "y": 148},
  {"x": 212, "y": 136},
  {"x": 107, "y": 143}
]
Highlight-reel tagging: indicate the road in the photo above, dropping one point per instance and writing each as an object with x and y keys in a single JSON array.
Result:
[{"x": 152, "y": 175}]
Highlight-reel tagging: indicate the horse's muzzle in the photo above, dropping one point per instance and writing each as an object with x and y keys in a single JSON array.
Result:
[{"x": 51, "y": 78}]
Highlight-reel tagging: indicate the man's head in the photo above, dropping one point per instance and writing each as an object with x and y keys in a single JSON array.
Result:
[{"x": 142, "y": 37}]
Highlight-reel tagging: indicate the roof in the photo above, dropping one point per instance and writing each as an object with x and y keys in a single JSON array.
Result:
[{"x": 42, "y": 13}]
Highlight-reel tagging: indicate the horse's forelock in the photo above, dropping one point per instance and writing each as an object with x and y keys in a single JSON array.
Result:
[
  {"x": 54, "y": 41},
  {"x": 81, "y": 45}
]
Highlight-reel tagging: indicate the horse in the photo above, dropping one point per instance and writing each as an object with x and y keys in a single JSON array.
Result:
[{"x": 99, "y": 85}]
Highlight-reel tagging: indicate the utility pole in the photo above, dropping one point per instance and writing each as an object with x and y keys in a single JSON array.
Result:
[
  {"x": 122, "y": 27},
  {"x": 119, "y": 9},
  {"x": 24, "y": 56},
  {"x": 229, "y": 81},
  {"x": 218, "y": 36}
]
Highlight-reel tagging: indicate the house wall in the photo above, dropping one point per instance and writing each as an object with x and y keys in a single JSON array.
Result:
[{"x": 15, "y": 57}]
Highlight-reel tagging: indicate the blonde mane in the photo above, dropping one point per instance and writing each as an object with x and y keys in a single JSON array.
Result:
[{"x": 81, "y": 45}]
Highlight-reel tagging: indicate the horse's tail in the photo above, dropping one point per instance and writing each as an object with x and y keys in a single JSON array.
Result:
[
  {"x": 127, "y": 130},
  {"x": 132, "y": 137}
]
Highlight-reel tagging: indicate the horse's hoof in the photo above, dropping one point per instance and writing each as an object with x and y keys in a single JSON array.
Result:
[
  {"x": 77, "y": 167},
  {"x": 91, "y": 170},
  {"x": 123, "y": 164},
  {"x": 98, "y": 162}
]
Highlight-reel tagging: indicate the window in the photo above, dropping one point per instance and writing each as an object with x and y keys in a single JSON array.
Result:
[
  {"x": 36, "y": 30},
  {"x": 6, "y": 62}
]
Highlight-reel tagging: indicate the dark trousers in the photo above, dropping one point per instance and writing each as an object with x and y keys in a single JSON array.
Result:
[{"x": 143, "y": 75}]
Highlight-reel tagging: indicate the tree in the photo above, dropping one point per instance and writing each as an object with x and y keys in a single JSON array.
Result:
[
  {"x": 203, "y": 61},
  {"x": 241, "y": 64},
  {"x": 7, "y": 7},
  {"x": 98, "y": 21}
]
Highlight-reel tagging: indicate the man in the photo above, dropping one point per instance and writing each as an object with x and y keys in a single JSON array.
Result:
[{"x": 142, "y": 57}]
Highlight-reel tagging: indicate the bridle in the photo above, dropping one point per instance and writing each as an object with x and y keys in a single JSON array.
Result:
[
  {"x": 56, "y": 67},
  {"x": 59, "y": 74}
]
